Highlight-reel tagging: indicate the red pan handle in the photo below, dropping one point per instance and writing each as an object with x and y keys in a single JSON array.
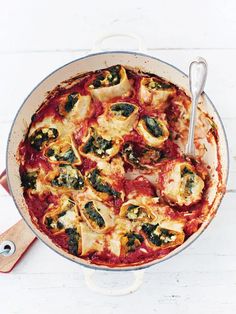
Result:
[{"x": 15, "y": 241}]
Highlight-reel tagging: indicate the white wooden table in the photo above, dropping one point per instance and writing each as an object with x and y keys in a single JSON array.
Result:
[{"x": 36, "y": 38}]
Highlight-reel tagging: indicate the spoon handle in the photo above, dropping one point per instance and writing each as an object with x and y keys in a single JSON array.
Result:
[{"x": 197, "y": 79}]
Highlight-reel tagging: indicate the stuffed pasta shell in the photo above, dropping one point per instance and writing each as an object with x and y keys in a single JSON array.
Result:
[
  {"x": 134, "y": 210},
  {"x": 91, "y": 241},
  {"x": 97, "y": 215},
  {"x": 75, "y": 107},
  {"x": 99, "y": 146},
  {"x": 63, "y": 216},
  {"x": 153, "y": 130},
  {"x": 181, "y": 184},
  {"x": 110, "y": 83},
  {"x": 65, "y": 177},
  {"x": 63, "y": 151},
  {"x": 102, "y": 186},
  {"x": 155, "y": 92},
  {"x": 119, "y": 119}
]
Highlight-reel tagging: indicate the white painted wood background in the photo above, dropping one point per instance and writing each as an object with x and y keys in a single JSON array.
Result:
[{"x": 36, "y": 38}]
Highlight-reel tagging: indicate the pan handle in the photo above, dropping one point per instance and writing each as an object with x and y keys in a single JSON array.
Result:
[
  {"x": 92, "y": 284},
  {"x": 98, "y": 45},
  {"x": 3, "y": 181},
  {"x": 15, "y": 241}
]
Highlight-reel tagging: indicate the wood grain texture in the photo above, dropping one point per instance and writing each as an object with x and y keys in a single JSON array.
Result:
[
  {"x": 22, "y": 237},
  {"x": 19, "y": 234}
]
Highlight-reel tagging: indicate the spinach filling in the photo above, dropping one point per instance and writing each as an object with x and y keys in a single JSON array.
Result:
[
  {"x": 59, "y": 225},
  {"x": 141, "y": 156},
  {"x": 159, "y": 85},
  {"x": 135, "y": 212},
  {"x": 48, "y": 222},
  {"x": 185, "y": 171},
  {"x": 133, "y": 241},
  {"x": 122, "y": 109},
  {"x": 28, "y": 179},
  {"x": 97, "y": 145},
  {"x": 39, "y": 137},
  {"x": 103, "y": 187},
  {"x": 68, "y": 177},
  {"x": 69, "y": 155},
  {"x": 113, "y": 78},
  {"x": 94, "y": 215},
  {"x": 190, "y": 180},
  {"x": 153, "y": 126},
  {"x": 73, "y": 240},
  {"x": 190, "y": 184},
  {"x": 71, "y": 101},
  {"x": 131, "y": 156},
  {"x": 157, "y": 239},
  {"x": 98, "y": 81}
]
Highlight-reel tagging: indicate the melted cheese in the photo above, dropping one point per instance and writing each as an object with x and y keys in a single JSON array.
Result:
[{"x": 114, "y": 168}]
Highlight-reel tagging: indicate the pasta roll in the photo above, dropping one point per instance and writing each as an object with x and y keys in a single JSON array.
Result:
[
  {"x": 65, "y": 177},
  {"x": 134, "y": 210},
  {"x": 101, "y": 185},
  {"x": 98, "y": 216},
  {"x": 75, "y": 107},
  {"x": 160, "y": 236},
  {"x": 182, "y": 185},
  {"x": 63, "y": 216},
  {"x": 112, "y": 82},
  {"x": 155, "y": 92},
  {"x": 90, "y": 241},
  {"x": 63, "y": 151},
  {"x": 97, "y": 146},
  {"x": 153, "y": 130},
  {"x": 119, "y": 119}
]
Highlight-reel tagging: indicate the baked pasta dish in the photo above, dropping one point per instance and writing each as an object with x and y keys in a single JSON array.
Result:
[{"x": 103, "y": 167}]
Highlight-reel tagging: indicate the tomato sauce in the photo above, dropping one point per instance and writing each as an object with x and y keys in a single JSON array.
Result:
[{"x": 140, "y": 186}]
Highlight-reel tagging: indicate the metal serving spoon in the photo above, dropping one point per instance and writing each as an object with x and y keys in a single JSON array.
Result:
[{"x": 197, "y": 80}]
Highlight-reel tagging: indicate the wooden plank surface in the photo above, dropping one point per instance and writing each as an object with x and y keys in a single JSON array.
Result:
[
  {"x": 22, "y": 237},
  {"x": 36, "y": 38}
]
